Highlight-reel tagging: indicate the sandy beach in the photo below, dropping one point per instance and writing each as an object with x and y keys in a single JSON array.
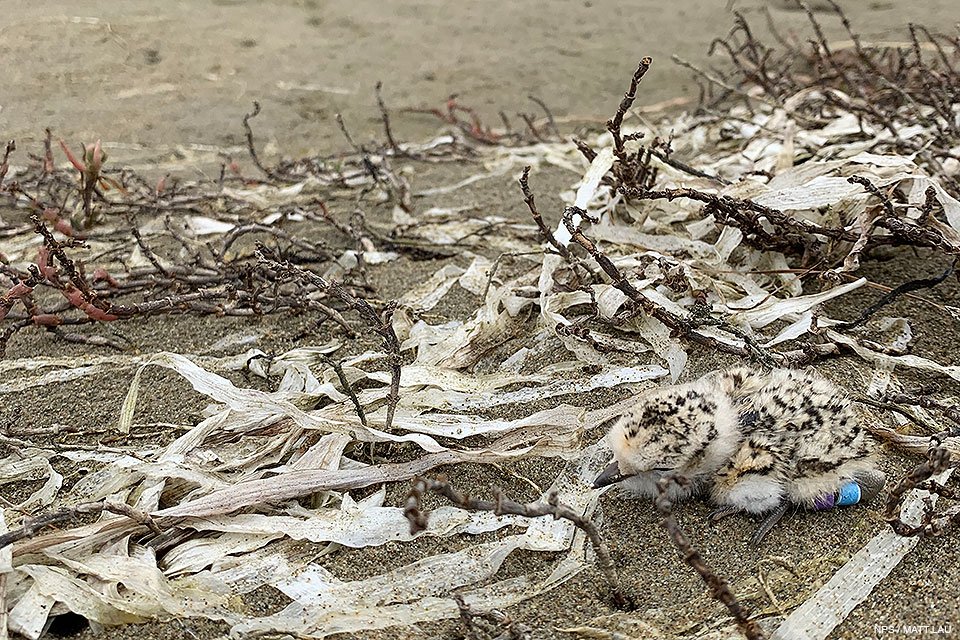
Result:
[{"x": 166, "y": 87}]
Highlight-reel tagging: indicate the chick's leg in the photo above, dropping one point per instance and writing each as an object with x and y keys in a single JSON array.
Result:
[
  {"x": 751, "y": 482},
  {"x": 769, "y": 522},
  {"x": 722, "y": 512}
]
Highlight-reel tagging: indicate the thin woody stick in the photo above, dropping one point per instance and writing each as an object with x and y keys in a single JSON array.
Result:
[
  {"x": 719, "y": 589},
  {"x": 502, "y": 505},
  {"x": 613, "y": 125},
  {"x": 931, "y": 523},
  {"x": 249, "y": 135},
  {"x": 34, "y": 525},
  {"x": 381, "y": 324}
]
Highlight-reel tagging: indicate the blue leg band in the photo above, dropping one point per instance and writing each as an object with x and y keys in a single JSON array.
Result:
[{"x": 849, "y": 494}]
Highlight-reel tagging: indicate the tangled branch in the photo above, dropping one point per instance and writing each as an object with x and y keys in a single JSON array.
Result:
[
  {"x": 502, "y": 505},
  {"x": 887, "y": 88},
  {"x": 931, "y": 523},
  {"x": 381, "y": 323},
  {"x": 34, "y": 525},
  {"x": 719, "y": 589}
]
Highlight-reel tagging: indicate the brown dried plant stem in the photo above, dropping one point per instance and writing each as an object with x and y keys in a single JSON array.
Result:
[
  {"x": 498, "y": 619},
  {"x": 88, "y": 187},
  {"x": 4, "y": 164},
  {"x": 34, "y": 525},
  {"x": 501, "y": 505},
  {"x": 613, "y": 126},
  {"x": 385, "y": 117},
  {"x": 682, "y": 166},
  {"x": 380, "y": 170},
  {"x": 682, "y": 326},
  {"x": 747, "y": 215},
  {"x": 887, "y": 88},
  {"x": 719, "y": 589},
  {"x": 950, "y": 411},
  {"x": 249, "y": 135},
  {"x": 381, "y": 324},
  {"x": 931, "y": 523},
  {"x": 347, "y": 387},
  {"x": 145, "y": 248},
  {"x": 893, "y": 294},
  {"x": 545, "y": 231},
  {"x": 551, "y": 123},
  {"x": 891, "y": 406}
]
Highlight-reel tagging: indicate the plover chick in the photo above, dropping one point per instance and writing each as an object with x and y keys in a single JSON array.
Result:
[{"x": 755, "y": 442}]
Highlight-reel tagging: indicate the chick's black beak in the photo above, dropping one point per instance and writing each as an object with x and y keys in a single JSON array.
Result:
[{"x": 609, "y": 476}]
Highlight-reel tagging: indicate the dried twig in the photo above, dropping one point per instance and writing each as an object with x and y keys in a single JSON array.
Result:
[
  {"x": 931, "y": 523},
  {"x": 337, "y": 367},
  {"x": 380, "y": 323},
  {"x": 385, "y": 116},
  {"x": 249, "y": 134},
  {"x": 952, "y": 412},
  {"x": 613, "y": 125},
  {"x": 545, "y": 231},
  {"x": 501, "y": 505},
  {"x": 896, "y": 408},
  {"x": 34, "y": 525},
  {"x": 887, "y": 298},
  {"x": 719, "y": 589},
  {"x": 145, "y": 249},
  {"x": 497, "y": 619},
  {"x": 4, "y": 165},
  {"x": 880, "y": 85},
  {"x": 550, "y": 121}
]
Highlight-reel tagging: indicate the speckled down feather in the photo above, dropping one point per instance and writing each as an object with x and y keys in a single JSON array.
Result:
[{"x": 752, "y": 440}]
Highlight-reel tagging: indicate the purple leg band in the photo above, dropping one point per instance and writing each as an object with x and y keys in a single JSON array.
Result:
[
  {"x": 848, "y": 494},
  {"x": 824, "y": 502}
]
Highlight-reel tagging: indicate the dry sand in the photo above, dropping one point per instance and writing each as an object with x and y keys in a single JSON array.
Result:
[
  {"x": 184, "y": 73},
  {"x": 174, "y": 73}
]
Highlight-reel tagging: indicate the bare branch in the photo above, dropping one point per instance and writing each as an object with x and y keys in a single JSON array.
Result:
[{"x": 501, "y": 505}]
